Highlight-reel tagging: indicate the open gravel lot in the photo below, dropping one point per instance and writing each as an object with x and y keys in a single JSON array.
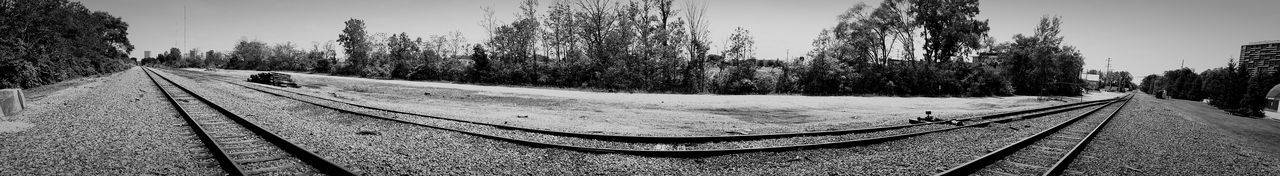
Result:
[
  {"x": 1179, "y": 137},
  {"x": 407, "y": 149},
  {"x": 643, "y": 113},
  {"x": 111, "y": 125}
]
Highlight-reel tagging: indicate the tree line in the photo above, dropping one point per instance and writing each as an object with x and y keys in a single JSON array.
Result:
[
  {"x": 47, "y": 41},
  {"x": 1232, "y": 88},
  {"x": 664, "y": 46}
]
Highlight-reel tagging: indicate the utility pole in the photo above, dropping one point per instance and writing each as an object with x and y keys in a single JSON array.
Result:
[
  {"x": 1104, "y": 76},
  {"x": 184, "y": 26}
]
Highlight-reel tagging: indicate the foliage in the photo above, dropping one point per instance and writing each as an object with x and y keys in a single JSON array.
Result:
[
  {"x": 1182, "y": 83},
  {"x": 949, "y": 27},
  {"x": 481, "y": 70},
  {"x": 854, "y": 56},
  {"x": 47, "y": 41},
  {"x": 1039, "y": 64},
  {"x": 647, "y": 46},
  {"x": 1121, "y": 79},
  {"x": 1150, "y": 84},
  {"x": 357, "y": 47}
]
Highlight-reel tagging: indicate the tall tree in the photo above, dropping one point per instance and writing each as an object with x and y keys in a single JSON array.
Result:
[
  {"x": 481, "y": 69},
  {"x": 741, "y": 45},
  {"x": 695, "y": 12},
  {"x": 1039, "y": 64},
  {"x": 353, "y": 39},
  {"x": 949, "y": 27}
]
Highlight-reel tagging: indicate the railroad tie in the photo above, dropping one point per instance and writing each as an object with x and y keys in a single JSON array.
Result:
[
  {"x": 272, "y": 169},
  {"x": 247, "y": 152},
  {"x": 262, "y": 159},
  {"x": 1065, "y": 137},
  {"x": 238, "y": 142},
  {"x": 241, "y": 147},
  {"x": 994, "y": 172},
  {"x": 1049, "y": 149},
  {"x": 1024, "y": 165}
]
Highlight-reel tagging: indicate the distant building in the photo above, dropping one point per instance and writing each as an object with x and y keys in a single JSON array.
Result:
[
  {"x": 1273, "y": 99},
  {"x": 147, "y": 54},
  {"x": 1092, "y": 81},
  {"x": 1261, "y": 57}
]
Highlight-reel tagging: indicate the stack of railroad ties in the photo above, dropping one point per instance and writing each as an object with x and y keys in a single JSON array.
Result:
[{"x": 273, "y": 78}]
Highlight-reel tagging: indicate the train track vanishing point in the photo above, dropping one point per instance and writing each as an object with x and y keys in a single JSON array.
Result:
[
  {"x": 239, "y": 146},
  {"x": 1046, "y": 153}
]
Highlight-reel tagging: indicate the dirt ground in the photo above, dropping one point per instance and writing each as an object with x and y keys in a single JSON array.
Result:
[{"x": 645, "y": 113}]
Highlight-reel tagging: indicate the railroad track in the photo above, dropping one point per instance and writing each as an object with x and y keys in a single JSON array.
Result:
[
  {"x": 239, "y": 146},
  {"x": 1046, "y": 153},
  {"x": 660, "y": 145}
]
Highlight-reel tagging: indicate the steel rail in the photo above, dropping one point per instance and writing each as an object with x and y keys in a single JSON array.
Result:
[
  {"x": 984, "y": 161},
  {"x": 662, "y": 139},
  {"x": 1061, "y": 165},
  {"x": 696, "y": 153},
  {"x": 233, "y": 168}
]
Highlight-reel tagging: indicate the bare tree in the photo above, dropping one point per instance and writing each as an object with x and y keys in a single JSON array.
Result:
[
  {"x": 695, "y": 11},
  {"x": 489, "y": 23}
]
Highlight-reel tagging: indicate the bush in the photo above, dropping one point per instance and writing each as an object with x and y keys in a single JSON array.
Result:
[
  {"x": 986, "y": 82},
  {"x": 47, "y": 41}
]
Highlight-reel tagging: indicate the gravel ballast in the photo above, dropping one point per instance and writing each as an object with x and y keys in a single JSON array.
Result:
[
  {"x": 1162, "y": 137},
  {"x": 114, "y": 125}
]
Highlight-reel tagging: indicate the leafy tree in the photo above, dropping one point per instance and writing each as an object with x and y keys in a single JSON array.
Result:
[
  {"x": 1039, "y": 64},
  {"x": 1182, "y": 83},
  {"x": 481, "y": 70},
  {"x": 1120, "y": 79},
  {"x": 47, "y": 41},
  {"x": 403, "y": 55},
  {"x": 741, "y": 45},
  {"x": 1225, "y": 86},
  {"x": 356, "y": 43},
  {"x": 214, "y": 59},
  {"x": 949, "y": 27},
  {"x": 249, "y": 55},
  {"x": 1150, "y": 84}
]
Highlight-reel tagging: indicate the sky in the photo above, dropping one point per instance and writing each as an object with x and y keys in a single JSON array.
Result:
[{"x": 1140, "y": 36}]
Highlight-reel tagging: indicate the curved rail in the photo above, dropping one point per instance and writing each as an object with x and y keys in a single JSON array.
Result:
[
  {"x": 666, "y": 139},
  {"x": 694, "y": 153},
  {"x": 998, "y": 161},
  {"x": 221, "y": 136}
]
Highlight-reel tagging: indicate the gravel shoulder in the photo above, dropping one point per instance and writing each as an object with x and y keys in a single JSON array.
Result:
[
  {"x": 1178, "y": 137},
  {"x": 111, "y": 125}
]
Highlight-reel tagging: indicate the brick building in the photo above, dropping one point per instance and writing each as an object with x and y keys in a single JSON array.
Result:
[{"x": 1261, "y": 57}]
